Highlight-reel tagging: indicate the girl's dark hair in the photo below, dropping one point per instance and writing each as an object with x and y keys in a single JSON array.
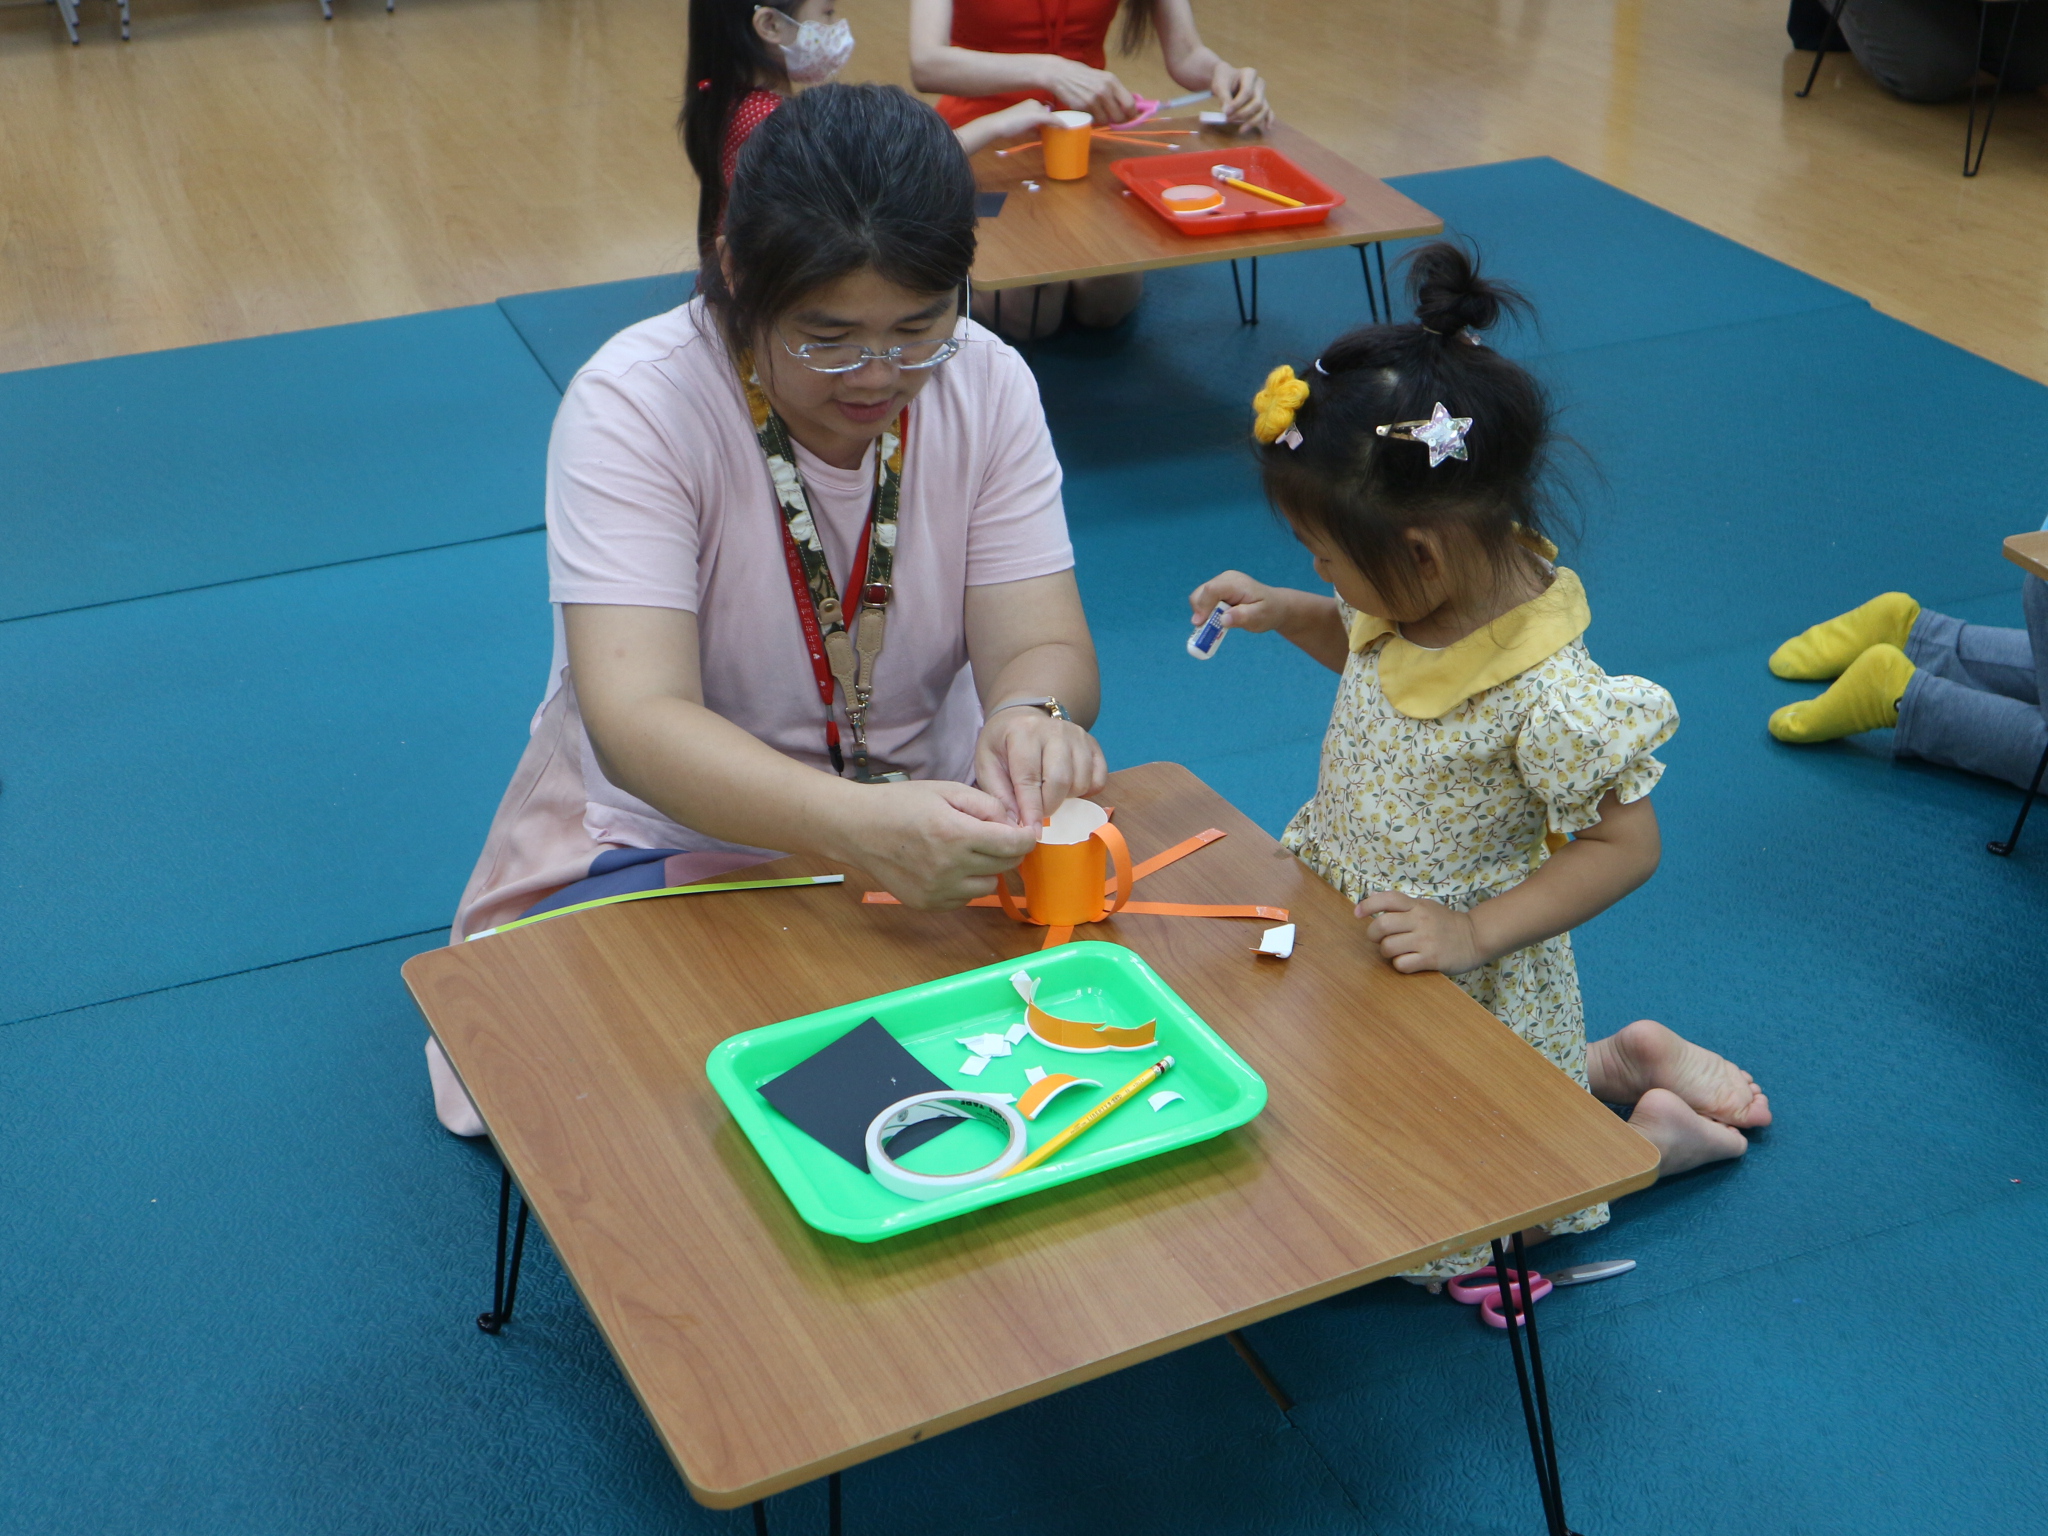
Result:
[
  {"x": 726, "y": 57},
  {"x": 839, "y": 180},
  {"x": 1363, "y": 492},
  {"x": 1140, "y": 21}
]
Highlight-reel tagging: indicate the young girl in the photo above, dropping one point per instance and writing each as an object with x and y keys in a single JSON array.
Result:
[
  {"x": 747, "y": 57},
  {"x": 1484, "y": 785}
]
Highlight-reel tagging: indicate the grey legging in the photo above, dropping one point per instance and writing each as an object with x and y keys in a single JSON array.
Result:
[
  {"x": 1926, "y": 50},
  {"x": 1975, "y": 703}
]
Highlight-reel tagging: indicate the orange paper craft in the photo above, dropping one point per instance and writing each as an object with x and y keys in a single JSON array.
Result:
[
  {"x": 1074, "y": 1035},
  {"x": 1031, "y": 1103}
]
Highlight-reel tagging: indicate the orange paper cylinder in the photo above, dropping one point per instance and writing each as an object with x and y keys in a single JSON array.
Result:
[
  {"x": 1065, "y": 139},
  {"x": 1063, "y": 882}
]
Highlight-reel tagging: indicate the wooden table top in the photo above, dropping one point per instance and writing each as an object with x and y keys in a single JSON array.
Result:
[
  {"x": 1404, "y": 1122},
  {"x": 2029, "y": 551},
  {"x": 1090, "y": 228}
]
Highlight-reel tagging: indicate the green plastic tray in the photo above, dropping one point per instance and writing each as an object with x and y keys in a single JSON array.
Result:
[{"x": 1101, "y": 983}]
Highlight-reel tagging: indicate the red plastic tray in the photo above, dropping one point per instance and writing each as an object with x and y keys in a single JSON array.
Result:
[{"x": 1149, "y": 175}]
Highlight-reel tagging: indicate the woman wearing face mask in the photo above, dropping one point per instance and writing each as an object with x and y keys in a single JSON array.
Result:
[
  {"x": 991, "y": 54},
  {"x": 747, "y": 57},
  {"x": 816, "y": 458}
]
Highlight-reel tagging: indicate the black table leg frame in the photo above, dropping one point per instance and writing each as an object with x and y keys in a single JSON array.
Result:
[
  {"x": 505, "y": 1288},
  {"x": 2026, "y": 804},
  {"x": 834, "y": 1514},
  {"x": 1536, "y": 1403}
]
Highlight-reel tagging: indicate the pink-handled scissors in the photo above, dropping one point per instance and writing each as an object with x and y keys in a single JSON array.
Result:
[{"x": 1481, "y": 1289}]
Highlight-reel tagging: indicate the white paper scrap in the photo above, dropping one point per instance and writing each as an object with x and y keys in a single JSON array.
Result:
[
  {"x": 1161, "y": 1099},
  {"x": 1215, "y": 119},
  {"x": 1033, "y": 1074},
  {"x": 1025, "y": 983},
  {"x": 1016, "y": 1032},
  {"x": 1277, "y": 942},
  {"x": 987, "y": 1045},
  {"x": 973, "y": 1066}
]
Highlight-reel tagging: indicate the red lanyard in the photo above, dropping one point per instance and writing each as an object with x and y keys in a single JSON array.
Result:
[{"x": 814, "y": 637}]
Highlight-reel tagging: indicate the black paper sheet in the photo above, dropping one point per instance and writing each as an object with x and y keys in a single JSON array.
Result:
[{"x": 836, "y": 1094}]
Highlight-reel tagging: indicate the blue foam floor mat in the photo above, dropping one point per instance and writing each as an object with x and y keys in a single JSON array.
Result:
[
  {"x": 260, "y": 771},
  {"x": 168, "y": 470},
  {"x": 564, "y": 326},
  {"x": 242, "y": 1261}
]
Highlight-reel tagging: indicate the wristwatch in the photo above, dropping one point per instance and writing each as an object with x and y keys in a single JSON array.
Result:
[{"x": 1049, "y": 704}]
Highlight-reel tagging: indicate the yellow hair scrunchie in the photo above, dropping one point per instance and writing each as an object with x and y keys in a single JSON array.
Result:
[{"x": 1277, "y": 403}]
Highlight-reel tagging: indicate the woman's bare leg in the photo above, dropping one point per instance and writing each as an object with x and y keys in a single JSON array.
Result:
[{"x": 1630, "y": 1063}]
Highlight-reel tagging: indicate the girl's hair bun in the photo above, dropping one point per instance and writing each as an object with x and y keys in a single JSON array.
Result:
[{"x": 1451, "y": 296}]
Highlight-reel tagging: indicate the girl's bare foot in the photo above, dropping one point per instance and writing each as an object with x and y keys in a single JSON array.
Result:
[
  {"x": 1646, "y": 1055},
  {"x": 1683, "y": 1139}
]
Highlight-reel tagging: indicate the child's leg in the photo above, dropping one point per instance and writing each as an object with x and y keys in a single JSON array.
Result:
[
  {"x": 1985, "y": 657},
  {"x": 1022, "y": 314},
  {"x": 1103, "y": 301},
  {"x": 1960, "y": 727},
  {"x": 1646, "y": 1056}
]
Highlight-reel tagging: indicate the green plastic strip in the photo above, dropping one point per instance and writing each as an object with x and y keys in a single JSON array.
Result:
[{"x": 671, "y": 890}]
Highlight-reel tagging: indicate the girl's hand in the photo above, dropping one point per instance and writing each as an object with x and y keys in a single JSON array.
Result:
[
  {"x": 931, "y": 844},
  {"x": 1095, "y": 91},
  {"x": 1031, "y": 762},
  {"x": 1242, "y": 95},
  {"x": 1253, "y": 604},
  {"x": 1009, "y": 123},
  {"x": 1415, "y": 934}
]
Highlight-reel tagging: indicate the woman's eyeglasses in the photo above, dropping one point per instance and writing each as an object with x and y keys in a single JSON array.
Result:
[{"x": 848, "y": 357}]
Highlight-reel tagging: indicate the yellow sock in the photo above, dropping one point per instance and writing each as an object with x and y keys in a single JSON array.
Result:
[
  {"x": 1826, "y": 650},
  {"x": 1864, "y": 698}
]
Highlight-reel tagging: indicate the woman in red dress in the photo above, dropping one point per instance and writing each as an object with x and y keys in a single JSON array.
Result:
[{"x": 990, "y": 54}]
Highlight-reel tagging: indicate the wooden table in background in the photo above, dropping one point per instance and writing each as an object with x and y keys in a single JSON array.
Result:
[
  {"x": 1089, "y": 228},
  {"x": 1404, "y": 1122}
]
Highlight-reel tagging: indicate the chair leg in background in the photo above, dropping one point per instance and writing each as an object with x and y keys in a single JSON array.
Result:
[
  {"x": 1970, "y": 139},
  {"x": 2027, "y": 804},
  {"x": 1821, "y": 52}
]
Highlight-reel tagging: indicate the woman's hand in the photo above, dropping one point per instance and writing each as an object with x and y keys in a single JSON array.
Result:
[
  {"x": 1416, "y": 934},
  {"x": 931, "y": 844},
  {"x": 1241, "y": 96},
  {"x": 1094, "y": 91},
  {"x": 1032, "y": 762}
]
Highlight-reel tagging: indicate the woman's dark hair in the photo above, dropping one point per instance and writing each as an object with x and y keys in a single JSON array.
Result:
[
  {"x": 839, "y": 180},
  {"x": 727, "y": 56},
  {"x": 1363, "y": 492}
]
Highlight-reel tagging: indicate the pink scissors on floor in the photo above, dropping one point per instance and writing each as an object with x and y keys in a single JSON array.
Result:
[{"x": 1481, "y": 1288}]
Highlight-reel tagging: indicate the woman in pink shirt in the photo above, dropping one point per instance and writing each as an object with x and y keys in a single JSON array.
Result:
[{"x": 818, "y": 455}]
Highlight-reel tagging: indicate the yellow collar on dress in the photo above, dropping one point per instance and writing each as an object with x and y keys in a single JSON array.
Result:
[{"x": 1427, "y": 685}]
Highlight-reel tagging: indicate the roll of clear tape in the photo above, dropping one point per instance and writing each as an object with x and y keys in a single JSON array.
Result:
[{"x": 904, "y": 1113}]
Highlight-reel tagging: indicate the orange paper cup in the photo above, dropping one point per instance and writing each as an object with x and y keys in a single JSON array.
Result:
[
  {"x": 1066, "y": 138},
  {"x": 1063, "y": 882}
]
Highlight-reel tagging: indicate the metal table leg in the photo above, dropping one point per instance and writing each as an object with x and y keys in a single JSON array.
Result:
[
  {"x": 1970, "y": 139},
  {"x": 833, "y": 1510},
  {"x": 1821, "y": 52},
  {"x": 1245, "y": 317},
  {"x": 2027, "y": 804},
  {"x": 1536, "y": 1406},
  {"x": 505, "y": 1288}
]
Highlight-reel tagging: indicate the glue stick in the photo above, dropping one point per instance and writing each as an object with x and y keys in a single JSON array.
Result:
[{"x": 1203, "y": 642}]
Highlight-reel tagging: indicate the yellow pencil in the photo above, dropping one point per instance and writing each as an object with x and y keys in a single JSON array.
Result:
[
  {"x": 1150, "y": 1074},
  {"x": 1266, "y": 192}
]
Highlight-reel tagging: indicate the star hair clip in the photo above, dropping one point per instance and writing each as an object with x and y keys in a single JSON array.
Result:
[{"x": 1443, "y": 434}]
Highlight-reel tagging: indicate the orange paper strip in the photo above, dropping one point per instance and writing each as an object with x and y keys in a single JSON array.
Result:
[
  {"x": 1073, "y": 1035},
  {"x": 1031, "y": 1103},
  {"x": 1185, "y": 909}
]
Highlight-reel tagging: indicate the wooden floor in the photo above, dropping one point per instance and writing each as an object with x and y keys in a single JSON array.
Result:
[{"x": 242, "y": 167}]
